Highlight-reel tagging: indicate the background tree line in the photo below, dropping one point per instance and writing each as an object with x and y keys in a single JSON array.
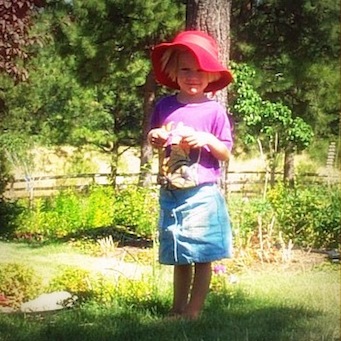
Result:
[{"x": 78, "y": 73}]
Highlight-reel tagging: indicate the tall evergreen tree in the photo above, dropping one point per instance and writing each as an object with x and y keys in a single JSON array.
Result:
[
  {"x": 88, "y": 79},
  {"x": 111, "y": 40},
  {"x": 295, "y": 46}
]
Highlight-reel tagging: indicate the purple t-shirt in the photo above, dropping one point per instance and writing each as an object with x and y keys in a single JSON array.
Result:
[{"x": 209, "y": 116}]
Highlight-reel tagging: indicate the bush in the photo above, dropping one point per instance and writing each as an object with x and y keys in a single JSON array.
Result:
[
  {"x": 19, "y": 283},
  {"x": 71, "y": 212},
  {"x": 255, "y": 233},
  {"x": 68, "y": 212},
  {"x": 137, "y": 209},
  {"x": 135, "y": 291},
  {"x": 309, "y": 216},
  {"x": 305, "y": 216},
  {"x": 101, "y": 289},
  {"x": 98, "y": 207},
  {"x": 246, "y": 215},
  {"x": 74, "y": 280}
]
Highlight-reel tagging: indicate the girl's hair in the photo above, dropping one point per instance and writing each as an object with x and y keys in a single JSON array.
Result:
[{"x": 169, "y": 64}]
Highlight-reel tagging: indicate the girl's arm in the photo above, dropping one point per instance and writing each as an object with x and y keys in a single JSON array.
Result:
[{"x": 199, "y": 139}]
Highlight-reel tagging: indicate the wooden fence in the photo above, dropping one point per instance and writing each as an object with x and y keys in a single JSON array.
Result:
[{"x": 246, "y": 183}]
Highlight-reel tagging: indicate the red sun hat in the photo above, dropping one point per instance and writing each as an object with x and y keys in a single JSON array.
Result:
[{"x": 204, "y": 48}]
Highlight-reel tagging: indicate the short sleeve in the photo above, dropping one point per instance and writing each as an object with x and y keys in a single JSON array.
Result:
[
  {"x": 222, "y": 127},
  {"x": 155, "y": 118}
]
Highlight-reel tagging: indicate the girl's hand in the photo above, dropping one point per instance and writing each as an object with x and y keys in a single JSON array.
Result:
[
  {"x": 158, "y": 137},
  {"x": 197, "y": 139},
  {"x": 200, "y": 139}
]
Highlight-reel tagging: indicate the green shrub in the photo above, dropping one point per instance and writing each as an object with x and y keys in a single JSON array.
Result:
[
  {"x": 75, "y": 280},
  {"x": 104, "y": 290},
  {"x": 246, "y": 215},
  {"x": 40, "y": 222},
  {"x": 137, "y": 209},
  {"x": 68, "y": 212},
  {"x": 47, "y": 219},
  {"x": 98, "y": 206},
  {"x": 309, "y": 216},
  {"x": 134, "y": 291},
  {"x": 256, "y": 236},
  {"x": 100, "y": 288},
  {"x": 19, "y": 283}
]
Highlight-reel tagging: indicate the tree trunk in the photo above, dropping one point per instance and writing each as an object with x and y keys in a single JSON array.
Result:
[
  {"x": 289, "y": 166},
  {"x": 114, "y": 164},
  {"x": 146, "y": 156},
  {"x": 213, "y": 17}
]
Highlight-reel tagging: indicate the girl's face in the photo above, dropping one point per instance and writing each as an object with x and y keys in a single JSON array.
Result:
[{"x": 190, "y": 78}]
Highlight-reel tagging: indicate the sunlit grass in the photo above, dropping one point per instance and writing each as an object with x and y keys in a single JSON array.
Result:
[{"x": 262, "y": 306}]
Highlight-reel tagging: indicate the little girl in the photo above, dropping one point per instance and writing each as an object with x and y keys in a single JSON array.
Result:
[{"x": 192, "y": 134}]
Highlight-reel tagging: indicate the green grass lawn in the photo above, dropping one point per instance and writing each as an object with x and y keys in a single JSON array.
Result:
[{"x": 269, "y": 305}]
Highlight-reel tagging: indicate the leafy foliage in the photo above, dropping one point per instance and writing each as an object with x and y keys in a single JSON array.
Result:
[
  {"x": 109, "y": 43},
  {"x": 75, "y": 280},
  {"x": 16, "y": 19},
  {"x": 309, "y": 216},
  {"x": 67, "y": 213},
  {"x": 137, "y": 209},
  {"x": 257, "y": 237},
  {"x": 306, "y": 216},
  {"x": 101, "y": 289},
  {"x": 270, "y": 124},
  {"x": 264, "y": 119},
  {"x": 245, "y": 217},
  {"x": 19, "y": 283},
  {"x": 70, "y": 212},
  {"x": 4, "y": 173}
]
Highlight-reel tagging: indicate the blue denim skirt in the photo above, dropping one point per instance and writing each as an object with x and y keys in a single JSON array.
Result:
[{"x": 194, "y": 226}]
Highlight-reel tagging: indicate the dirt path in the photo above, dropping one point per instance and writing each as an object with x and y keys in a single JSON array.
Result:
[{"x": 47, "y": 260}]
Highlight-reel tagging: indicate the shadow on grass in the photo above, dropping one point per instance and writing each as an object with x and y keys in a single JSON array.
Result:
[
  {"x": 121, "y": 235},
  {"x": 226, "y": 317}
]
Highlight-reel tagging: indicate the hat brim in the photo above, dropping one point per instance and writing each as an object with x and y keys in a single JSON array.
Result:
[{"x": 205, "y": 60}]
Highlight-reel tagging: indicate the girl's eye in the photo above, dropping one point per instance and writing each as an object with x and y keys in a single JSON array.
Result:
[{"x": 186, "y": 69}]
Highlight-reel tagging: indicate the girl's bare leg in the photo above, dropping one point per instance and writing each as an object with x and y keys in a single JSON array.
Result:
[
  {"x": 181, "y": 287},
  {"x": 200, "y": 288}
]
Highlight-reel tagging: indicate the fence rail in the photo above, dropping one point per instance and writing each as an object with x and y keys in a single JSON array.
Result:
[{"x": 246, "y": 182}]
